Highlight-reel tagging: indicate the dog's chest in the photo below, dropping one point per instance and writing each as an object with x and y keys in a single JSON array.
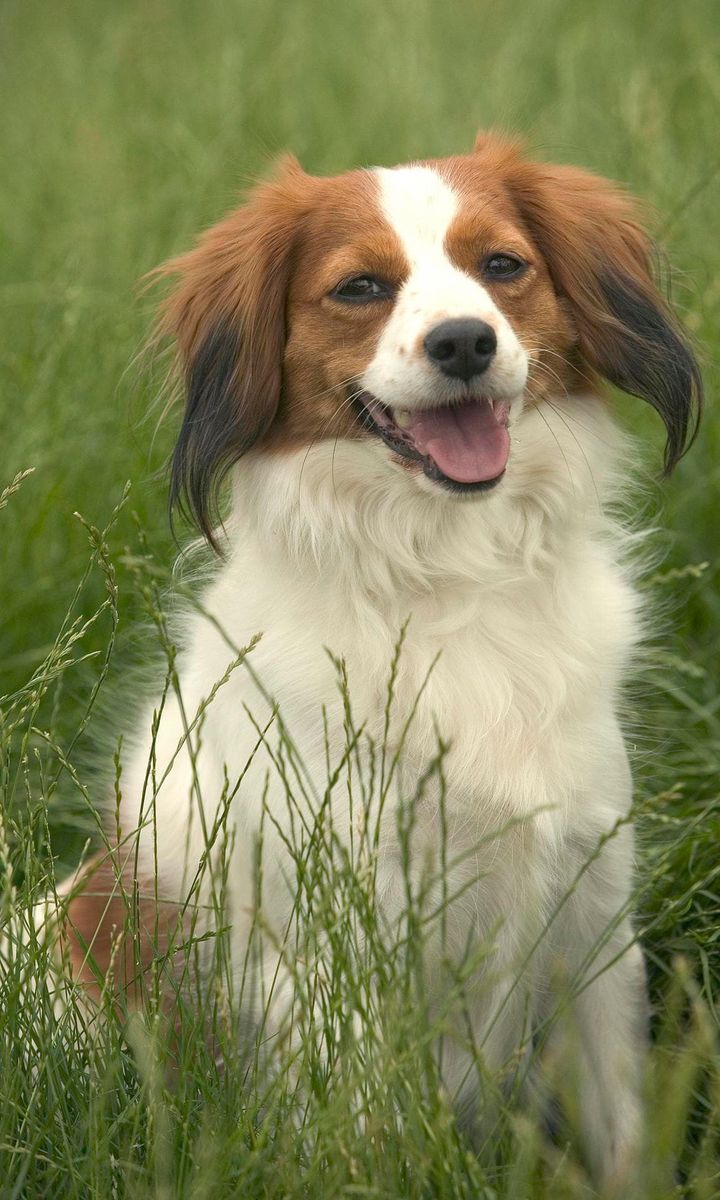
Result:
[
  {"x": 506, "y": 683},
  {"x": 508, "y": 680}
]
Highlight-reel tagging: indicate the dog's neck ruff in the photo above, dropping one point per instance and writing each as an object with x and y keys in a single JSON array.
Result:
[{"x": 333, "y": 513}]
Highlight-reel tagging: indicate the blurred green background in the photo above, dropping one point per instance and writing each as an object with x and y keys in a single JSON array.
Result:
[{"x": 129, "y": 126}]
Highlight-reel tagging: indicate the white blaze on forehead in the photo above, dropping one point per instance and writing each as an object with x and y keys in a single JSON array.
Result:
[{"x": 420, "y": 206}]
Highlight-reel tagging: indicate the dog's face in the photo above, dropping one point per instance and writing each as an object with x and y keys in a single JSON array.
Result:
[
  {"x": 414, "y": 318},
  {"x": 420, "y": 309}
]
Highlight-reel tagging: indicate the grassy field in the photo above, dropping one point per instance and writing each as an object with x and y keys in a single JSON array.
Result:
[{"x": 126, "y": 127}]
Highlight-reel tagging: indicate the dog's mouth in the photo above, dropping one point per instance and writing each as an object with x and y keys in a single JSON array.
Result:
[{"x": 462, "y": 446}]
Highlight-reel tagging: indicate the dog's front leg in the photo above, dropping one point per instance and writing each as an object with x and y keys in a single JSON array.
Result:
[{"x": 607, "y": 1010}]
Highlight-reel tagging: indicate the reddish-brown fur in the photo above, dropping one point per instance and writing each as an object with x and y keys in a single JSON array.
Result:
[{"x": 115, "y": 927}]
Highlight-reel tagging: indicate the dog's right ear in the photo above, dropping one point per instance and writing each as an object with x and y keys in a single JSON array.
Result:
[
  {"x": 227, "y": 315},
  {"x": 601, "y": 261}
]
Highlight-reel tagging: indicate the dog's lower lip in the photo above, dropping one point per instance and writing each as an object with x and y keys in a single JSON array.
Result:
[{"x": 382, "y": 420}]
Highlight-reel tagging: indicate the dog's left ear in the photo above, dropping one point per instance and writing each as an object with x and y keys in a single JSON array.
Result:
[
  {"x": 600, "y": 261},
  {"x": 227, "y": 316}
]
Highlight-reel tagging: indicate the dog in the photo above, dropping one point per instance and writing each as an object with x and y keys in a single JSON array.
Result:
[{"x": 398, "y": 373}]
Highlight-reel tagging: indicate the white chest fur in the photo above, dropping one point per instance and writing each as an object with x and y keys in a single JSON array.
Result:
[{"x": 518, "y": 622}]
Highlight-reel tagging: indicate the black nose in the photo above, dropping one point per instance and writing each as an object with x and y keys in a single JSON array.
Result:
[{"x": 461, "y": 348}]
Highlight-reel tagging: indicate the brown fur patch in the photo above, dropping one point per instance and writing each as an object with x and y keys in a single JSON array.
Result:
[
  {"x": 329, "y": 343},
  {"x": 268, "y": 357},
  {"x": 490, "y": 221},
  {"x": 115, "y": 927},
  {"x": 576, "y": 226}
]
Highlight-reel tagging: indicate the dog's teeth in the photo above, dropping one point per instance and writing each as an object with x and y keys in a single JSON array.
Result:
[{"x": 402, "y": 418}]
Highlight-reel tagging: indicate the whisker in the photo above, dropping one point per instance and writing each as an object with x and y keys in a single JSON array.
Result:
[
  {"x": 539, "y": 401},
  {"x": 568, "y": 416},
  {"x": 552, "y": 374},
  {"x": 579, "y": 445},
  {"x": 559, "y": 446},
  {"x": 545, "y": 350},
  {"x": 346, "y": 403}
]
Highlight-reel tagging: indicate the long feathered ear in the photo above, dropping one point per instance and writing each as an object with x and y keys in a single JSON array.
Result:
[
  {"x": 227, "y": 314},
  {"x": 600, "y": 261}
]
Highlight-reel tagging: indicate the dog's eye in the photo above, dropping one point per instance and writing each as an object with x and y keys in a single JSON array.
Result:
[
  {"x": 502, "y": 266},
  {"x": 362, "y": 289}
]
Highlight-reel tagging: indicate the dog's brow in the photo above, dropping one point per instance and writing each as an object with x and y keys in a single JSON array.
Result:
[{"x": 419, "y": 205}]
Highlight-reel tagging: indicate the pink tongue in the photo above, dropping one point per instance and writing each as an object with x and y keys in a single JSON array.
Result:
[{"x": 470, "y": 444}]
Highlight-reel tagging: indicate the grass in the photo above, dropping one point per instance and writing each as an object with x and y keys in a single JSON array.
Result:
[{"x": 127, "y": 128}]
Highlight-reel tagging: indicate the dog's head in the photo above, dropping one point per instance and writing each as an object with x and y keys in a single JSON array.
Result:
[{"x": 419, "y": 309}]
